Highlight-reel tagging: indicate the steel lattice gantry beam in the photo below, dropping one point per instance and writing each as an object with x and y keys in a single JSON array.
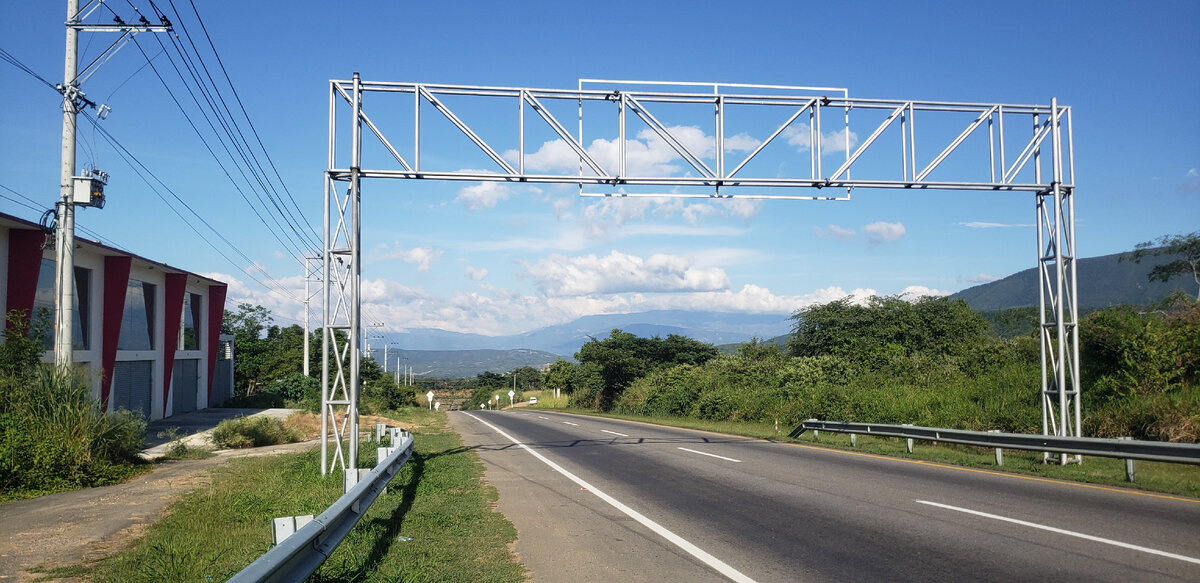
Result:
[{"x": 972, "y": 147}]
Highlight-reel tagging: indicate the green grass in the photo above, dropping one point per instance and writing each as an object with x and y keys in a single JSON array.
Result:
[
  {"x": 256, "y": 431},
  {"x": 436, "y": 522},
  {"x": 1177, "y": 479}
]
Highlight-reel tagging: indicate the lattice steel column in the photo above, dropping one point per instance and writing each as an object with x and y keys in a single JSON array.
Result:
[
  {"x": 1058, "y": 302},
  {"x": 341, "y": 300}
]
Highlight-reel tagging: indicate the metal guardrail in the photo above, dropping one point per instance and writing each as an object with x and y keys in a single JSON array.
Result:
[
  {"x": 1159, "y": 451},
  {"x": 299, "y": 555}
]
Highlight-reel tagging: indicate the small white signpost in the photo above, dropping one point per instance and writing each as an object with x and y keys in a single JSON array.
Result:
[
  {"x": 429, "y": 397},
  {"x": 510, "y": 397}
]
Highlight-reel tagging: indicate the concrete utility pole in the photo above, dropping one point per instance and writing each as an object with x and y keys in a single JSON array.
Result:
[
  {"x": 64, "y": 282},
  {"x": 64, "y": 235}
]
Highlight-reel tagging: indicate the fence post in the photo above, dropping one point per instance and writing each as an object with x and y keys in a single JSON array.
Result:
[
  {"x": 1130, "y": 464},
  {"x": 999, "y": 451},
  {"x": 380, "y": 428}
]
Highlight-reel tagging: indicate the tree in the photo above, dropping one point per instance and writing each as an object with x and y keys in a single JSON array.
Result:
[
  {"x": 1184, "y": 248},
  {"x": 886, "y": 326},
  {"x": 623, "y": 357}
]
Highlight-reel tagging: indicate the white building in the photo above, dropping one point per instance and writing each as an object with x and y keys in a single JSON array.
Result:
[{"x": 148, "y": 334}]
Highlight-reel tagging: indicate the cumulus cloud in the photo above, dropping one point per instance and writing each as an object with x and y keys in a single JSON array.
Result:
[
  {"x": 881, "y": 232},
  {"x": 476, "y": 273},
  {"x": 422, "y": 256},
  {"x": 834, "y": 232},
  {"x": 914, "y": 292},
  {"x": 979, "y": 278},
  {"x": 646, "y": 154},
  {"x": 484, "y": 195},
  {"x": 617, "y": 272},
  {"x": 1191, "y": 182},
  {"x": 799, "y": 136}
]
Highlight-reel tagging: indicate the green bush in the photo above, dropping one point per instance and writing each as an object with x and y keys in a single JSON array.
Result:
[
  {"x": 56, "y": 438},
  {"x": 256, "y": 431}
]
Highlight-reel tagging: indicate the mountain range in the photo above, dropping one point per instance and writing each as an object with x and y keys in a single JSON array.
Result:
[
  {"x": 565, "y": 339},
  {"x": 1103, "y": 281}
]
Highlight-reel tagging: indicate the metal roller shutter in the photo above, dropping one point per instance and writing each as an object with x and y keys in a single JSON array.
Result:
[
  {"x": 184, "y": 380},
  {"x": 132, "y": 383}
]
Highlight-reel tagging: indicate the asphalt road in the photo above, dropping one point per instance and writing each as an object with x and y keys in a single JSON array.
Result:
[{"x": 603, "y": 500}]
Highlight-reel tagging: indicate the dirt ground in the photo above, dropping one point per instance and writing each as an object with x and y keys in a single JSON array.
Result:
[{"x": 84, "y": 526}]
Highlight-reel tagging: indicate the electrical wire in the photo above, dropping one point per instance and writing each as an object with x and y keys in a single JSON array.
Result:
[
  {"x": 142, "y": 171},
  {"x": 35, "y": 206},
  {"x": 195, "y": 63},
  {"x": 246, "y": 114}
]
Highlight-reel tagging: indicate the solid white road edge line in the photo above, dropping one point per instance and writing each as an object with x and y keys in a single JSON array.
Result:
[
  {"x": 691, "y": 549},
  {"x": 728, "y": 459},
  {"x": 1066, "y": 532},
  {"x": 614, "y": 433}
]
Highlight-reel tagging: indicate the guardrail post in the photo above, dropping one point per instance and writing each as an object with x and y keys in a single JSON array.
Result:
[
  {"x": 286, "y": 526},
  {"x": 999, "y": 451},
  {"x": 1130, "y": 464},
  {"x": 354, "y": 475},
  {"x": 910, "y": 440}
]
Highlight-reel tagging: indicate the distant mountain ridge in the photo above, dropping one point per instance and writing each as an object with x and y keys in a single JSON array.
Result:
[
  {"x": 1102, "y": 281},
  {"x": 565, "y": 339}
]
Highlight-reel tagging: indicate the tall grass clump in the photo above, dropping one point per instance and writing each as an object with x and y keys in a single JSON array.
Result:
[
  {"x": 55, "y": 437},
  {"x": 257, "y": 431}
]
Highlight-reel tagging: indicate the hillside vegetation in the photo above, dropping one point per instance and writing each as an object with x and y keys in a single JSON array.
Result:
[{"x": 932, "y": 361}]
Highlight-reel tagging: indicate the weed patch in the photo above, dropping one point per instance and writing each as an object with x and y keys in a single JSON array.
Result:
[{"x": 256, "y": 431}]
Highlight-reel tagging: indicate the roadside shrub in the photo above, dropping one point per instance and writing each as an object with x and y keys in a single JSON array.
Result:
[
  {"x": 56, "y": 438},
  {"x": 256, "y": 431}
]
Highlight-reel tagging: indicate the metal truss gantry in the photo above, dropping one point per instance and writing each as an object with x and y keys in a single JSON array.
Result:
[{"x": 977, "y": 154}]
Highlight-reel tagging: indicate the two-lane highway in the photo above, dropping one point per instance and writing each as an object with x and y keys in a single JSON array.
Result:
[{"x": 602, "y": 500}]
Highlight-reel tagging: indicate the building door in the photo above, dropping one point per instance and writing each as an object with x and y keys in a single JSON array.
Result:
[{"x": 132, "y": 384}]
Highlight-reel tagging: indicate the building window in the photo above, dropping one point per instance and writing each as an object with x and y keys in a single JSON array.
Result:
[
  {"x": 137, "y": 321},
  {"x": 189, "y": 332},
  {"x": 44, "y": 303}
]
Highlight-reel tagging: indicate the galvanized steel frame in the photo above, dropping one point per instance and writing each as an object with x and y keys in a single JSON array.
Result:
[{"x": 998, "y": 172}]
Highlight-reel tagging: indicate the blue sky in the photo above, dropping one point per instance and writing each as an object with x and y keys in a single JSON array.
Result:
[{"x": 495, "y": 259}]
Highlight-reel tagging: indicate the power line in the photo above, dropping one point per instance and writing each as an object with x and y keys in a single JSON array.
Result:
[
  {"x": 242, "y": 105},
  {"x": 35, "y": 206},
  {"x": 206, "y": 144},
  {"x": 194, "y": 62},
  {"x": 142, "y": 171}
]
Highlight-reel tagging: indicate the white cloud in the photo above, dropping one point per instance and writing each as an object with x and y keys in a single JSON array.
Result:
[
  {"x": 476, "y": 273},
  {"x": 558, "y": 275},
  {"x": 498, "y": 311},
  {"x": 742, "y": 142},
  {"x": 980, "y": 278},
  {"x": 914, "y": 292},
  {"x": 834, "y": 232},
  {"x": 422, "y": 256},
  {"x": 484, "y": 195},
  {"x": 647, "y": 154},
  {"x": 799, "y": 136},
  {"x": 883, "y": 232},
  {"x": 1191, "y": 182}
]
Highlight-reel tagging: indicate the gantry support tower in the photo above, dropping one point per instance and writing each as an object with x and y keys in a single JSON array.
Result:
[{"x": 971, "y": 147}]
